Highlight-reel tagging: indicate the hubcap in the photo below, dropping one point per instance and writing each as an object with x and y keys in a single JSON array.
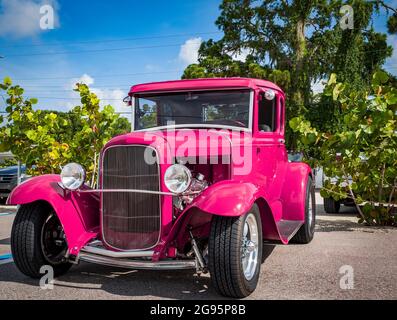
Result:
[
  {"x": 249, "y": 247},
  {"x": 53, "y": 240}
]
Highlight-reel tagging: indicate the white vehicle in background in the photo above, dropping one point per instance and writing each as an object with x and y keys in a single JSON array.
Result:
[{"x": 330, "y": 204}]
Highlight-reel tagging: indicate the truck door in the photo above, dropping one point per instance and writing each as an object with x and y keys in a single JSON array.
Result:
[{"x": 270, "y": 147}]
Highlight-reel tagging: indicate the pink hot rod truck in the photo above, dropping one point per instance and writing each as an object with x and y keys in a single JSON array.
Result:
[{"x": 202, "y": 182}]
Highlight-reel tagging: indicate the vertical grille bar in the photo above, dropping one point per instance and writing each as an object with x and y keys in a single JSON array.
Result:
[{"x": 130, "y": 221}]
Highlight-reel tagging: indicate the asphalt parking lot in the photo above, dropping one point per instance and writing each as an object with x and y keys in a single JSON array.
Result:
[{"x": 289, "y": 272}]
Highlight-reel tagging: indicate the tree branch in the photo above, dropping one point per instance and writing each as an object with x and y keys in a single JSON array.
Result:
[
  {"x": 352, "y": 195},
  {"x": 386, "y": 6}
]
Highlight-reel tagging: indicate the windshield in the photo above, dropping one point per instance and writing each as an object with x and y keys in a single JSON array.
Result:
[{"x": 206, "y": 108}]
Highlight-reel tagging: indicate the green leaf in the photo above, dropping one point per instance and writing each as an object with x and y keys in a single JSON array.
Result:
[
  {"x": 7, "y": 81},
  {"x": 380, "y": 77},
  {"x": 391, "y": 99},
  {"x": 332, "y": 79},
  {"x": 294, "y": 123},
  {"x": 31, "y": 134},
  {"x": 336, "y": 91},
  {"x": 33, "y": 100}
]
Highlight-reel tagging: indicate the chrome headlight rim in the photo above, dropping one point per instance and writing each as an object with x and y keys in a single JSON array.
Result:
[
  {"x": 73, "y": 176},
  {"x": 183, "y": 169}
]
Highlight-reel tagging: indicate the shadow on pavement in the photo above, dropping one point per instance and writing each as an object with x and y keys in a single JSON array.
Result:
[
  {"x": 121, "y": 282},
  {"x": 5, "y": 241},
  {"x": 127, "y": 283},
  {"x": 336, "y": 225}
]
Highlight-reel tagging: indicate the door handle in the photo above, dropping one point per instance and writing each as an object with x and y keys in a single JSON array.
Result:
[{"x": 281, "y": 140}]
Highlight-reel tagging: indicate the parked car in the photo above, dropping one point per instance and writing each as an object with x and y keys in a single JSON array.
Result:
[
  {"x": 333, "y": 206},
  {"x": 202, "y": 181},
  {"x": 9, "y": 179}
]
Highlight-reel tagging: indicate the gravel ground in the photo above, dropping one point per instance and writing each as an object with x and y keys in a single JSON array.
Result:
[{"x": 289, "y": 272}]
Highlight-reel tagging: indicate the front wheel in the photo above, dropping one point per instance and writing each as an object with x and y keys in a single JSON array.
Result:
[
  {"x": 37, "y": 239},
  {"x": 235, "y": 253}
]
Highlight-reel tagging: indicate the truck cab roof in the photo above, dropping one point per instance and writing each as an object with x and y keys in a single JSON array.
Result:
[{"x": 203, "y": 84}]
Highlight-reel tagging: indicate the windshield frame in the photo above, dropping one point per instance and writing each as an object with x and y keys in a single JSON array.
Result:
[{"x": 195, "y": 125}]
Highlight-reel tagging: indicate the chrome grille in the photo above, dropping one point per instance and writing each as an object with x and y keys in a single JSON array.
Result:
[{"x": 130, "y": 221}]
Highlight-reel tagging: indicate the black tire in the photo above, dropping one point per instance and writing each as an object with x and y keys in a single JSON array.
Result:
[
  {"x": 306, "y": 231},
  {"x": 331, "y": 205},
  {"x": 27, "y": 241},
  {"x": 225, "y": 255}
]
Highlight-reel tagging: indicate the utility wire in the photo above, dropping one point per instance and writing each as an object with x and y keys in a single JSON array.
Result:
[
  {"x": 90, "y": 51},
  {"x": 124, "y": 49},
  {"x": 100, "y": 76},
  {"x": 111, "y": 40}
]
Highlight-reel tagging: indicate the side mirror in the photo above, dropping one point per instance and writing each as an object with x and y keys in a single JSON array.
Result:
[{"x": 128, "y": 101}]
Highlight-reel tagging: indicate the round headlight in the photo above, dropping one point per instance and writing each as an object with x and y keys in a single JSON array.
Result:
[
  {"x": 72, "y": 176},
  {"x": 270, "y": 94},
  {"x": 177, "y": 178}
]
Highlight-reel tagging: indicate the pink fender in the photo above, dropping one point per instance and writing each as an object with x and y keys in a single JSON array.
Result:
[
  {"x": 294, "y": 191},
  {"x": 77, "y": 212},
  {"x": 227, "y": 198},
  {"x": 234, "y": 199}
]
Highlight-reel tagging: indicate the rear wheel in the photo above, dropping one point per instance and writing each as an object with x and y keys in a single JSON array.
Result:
[
  {"x": 235, "y": 253},
  {"x": 306, "y": 231},
  {"x": 38, "y": 239},
  {"x": 331, "y": 205}
]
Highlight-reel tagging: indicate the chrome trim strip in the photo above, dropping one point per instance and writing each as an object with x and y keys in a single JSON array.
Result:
[
  {"x": 101, "y": 197},
  {"x": 251, "y": 111},
  {"x": 138, "y": 264},
  {"x": 132, "y": 114},
  {"x": 195, "y": 126},
  {"x": 116, "y": 254},
  {"x": 127, "y": 190}
]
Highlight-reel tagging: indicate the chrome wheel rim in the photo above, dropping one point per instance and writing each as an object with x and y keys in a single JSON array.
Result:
[
  {"x": 249, "y": 247},
  {"x": 310, "y": 213},
  {"x": 53, "y": 240}
]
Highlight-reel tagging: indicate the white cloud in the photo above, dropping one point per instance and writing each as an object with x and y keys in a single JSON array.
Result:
[
  {"x": 152, "y": 67},
  {"x": 188, "y": 53},
  {"x": 107, "y": 96},
  {"x": 21, "y": 18},
  {"x": 242, "y": 55},
  {"x": 85, "y": 78},
  {"x": 112, "y": 97}
]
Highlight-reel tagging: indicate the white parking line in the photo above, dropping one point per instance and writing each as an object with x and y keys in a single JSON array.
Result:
[{"x": 6, "y": 213}]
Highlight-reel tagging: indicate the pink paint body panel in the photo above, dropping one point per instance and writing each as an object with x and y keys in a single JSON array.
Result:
[
  {"x": 276, "y": 185},
  {"x": 203, "y": 84},
  {"x": 78, "y": 212}
]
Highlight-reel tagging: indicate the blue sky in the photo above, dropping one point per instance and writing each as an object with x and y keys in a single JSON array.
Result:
[{"x": 127, "y": 42}]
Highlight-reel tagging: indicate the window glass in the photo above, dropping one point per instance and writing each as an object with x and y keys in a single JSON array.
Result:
[
  {"x": 267, "y": 115},
  {"x": 226, "y": 108}
]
